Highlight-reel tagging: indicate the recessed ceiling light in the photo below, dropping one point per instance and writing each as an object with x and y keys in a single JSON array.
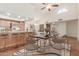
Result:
[
  {"x": 19, "y": 16},
  {"x": 26, "y": 18},
  {"x": 35, "y": 24},
  {"x": 36, "y": 19},
  {"x": 8, "y": 13}
]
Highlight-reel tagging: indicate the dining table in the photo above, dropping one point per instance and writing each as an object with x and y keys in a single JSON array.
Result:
[{"x": 44, "y": 38}]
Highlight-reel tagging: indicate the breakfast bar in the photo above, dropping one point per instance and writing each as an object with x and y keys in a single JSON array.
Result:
[{"x": 13, "y": 39}]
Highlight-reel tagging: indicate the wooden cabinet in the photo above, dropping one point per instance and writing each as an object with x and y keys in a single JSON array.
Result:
[
  {"x": 22, "y": 38},
  {"x": 13, "y": 39},
  {"x": 9, "y": 41},
  {"x": 3, "y": 38}
]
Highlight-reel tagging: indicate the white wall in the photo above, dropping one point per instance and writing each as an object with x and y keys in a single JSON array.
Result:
[
  {"x": 61, "y": 28},
  {"x": 72, "y": 28},
  {"x": 69, "y": 28}
]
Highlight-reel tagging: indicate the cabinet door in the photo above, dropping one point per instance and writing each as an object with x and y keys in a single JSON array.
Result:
[
  {"x": 2, "y": 42},
  {"x": 15, "y": 38},
  {"x": 12, "y": 41},
  {"x": 22, "y": 38},
  {"x": 3, "y": 38},
  {"x": 8, "y": 42}
]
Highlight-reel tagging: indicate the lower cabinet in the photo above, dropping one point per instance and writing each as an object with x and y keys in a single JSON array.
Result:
[
  {"x": 2, "y": 43},
  {"x": 3, "y": 38},
  {"x": 9, "y": 42},
  {"x": 13, "y": 39},
  {"x": 22, "y": 38}
]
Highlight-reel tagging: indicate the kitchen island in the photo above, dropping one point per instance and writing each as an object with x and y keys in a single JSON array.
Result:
[{"x": 13, "y": 39}]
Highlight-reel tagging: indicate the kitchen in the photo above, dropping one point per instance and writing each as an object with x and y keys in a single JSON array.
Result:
[{"x": 42, "y": 19}]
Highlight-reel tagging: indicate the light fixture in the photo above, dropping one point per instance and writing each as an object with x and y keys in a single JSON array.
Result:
[
  {"x": 8, "y": 13},
  {"x": 49, "y": 6},
  {"x": 26, "y": 19},
  {"x": 62, "y": 10},
  {"x": 19, "y": 16},
  {"x": 35, "y": 24},
  {"x": 36, "y": 18}
]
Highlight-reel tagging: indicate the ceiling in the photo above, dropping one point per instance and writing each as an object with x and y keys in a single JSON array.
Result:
[{"x": 32, "y": 10}]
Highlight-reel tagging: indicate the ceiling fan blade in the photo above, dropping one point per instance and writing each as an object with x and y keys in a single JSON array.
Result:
[
  {"x": 55, "y": 5},
  {"x": 44, "y": 3},
  {"x": 43, "y": 8}
]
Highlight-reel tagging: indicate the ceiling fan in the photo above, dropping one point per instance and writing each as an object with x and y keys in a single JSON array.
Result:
[{"x": 49, "y": 6}]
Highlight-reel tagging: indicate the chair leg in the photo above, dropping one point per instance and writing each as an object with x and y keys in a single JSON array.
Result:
[
  {"x": 61, "y": 49},
  {"x": 64, "y": 49},
  {"x": 37, "y": 44},
  {"x": 44, "y": 44}
]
